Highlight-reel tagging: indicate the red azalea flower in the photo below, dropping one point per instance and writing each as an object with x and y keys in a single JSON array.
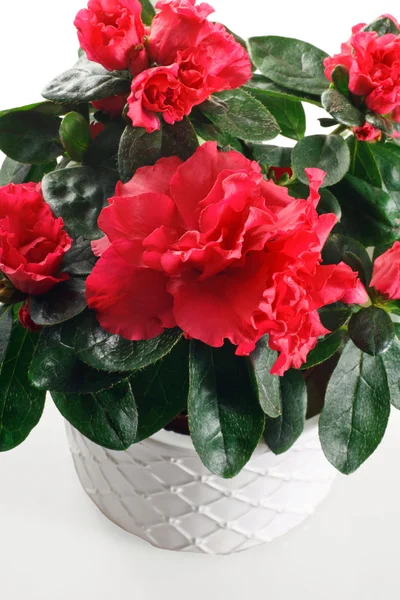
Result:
[
  {"x": 367, "y": 133},
  {"x": 112, "y": 106},
  {"x": 210, "y": 246},
  {"x": 373, "y": 63},
  {"x": 280, "y": 171},
  {"x": 32, "y": 241},
  {"x": 24, "y": 316},
  {"x": 112, "y": 33},
  {"x": 386, "y": 274}
]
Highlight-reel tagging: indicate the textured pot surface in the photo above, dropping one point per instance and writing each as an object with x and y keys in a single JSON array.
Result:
[{"x": 160, "y": 491}]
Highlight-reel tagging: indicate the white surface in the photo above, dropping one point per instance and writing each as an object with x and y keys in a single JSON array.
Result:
[{"x": 54, "y": 544}]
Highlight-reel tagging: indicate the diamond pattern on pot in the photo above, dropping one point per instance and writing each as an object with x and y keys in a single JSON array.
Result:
[{"x": 160, "y": 491}]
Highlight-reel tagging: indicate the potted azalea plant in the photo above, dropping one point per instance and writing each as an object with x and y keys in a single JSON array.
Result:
[{"x": 213, "y": 315}]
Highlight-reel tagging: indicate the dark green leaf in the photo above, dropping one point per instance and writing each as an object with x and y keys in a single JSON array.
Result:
[
  {"x": 30, "y": 137},
  {"x": 267, "y": 386},
  {"x": 87, "y": 81},
  {"x": 290, "y": 62},
  {"x": 75, "y": 135},
  {"x": 263, "y": 83},
  {"x": 211, "y": 133},
  {"x": 387, "y": 157},
  {"x": 148, "y": 11},
  {"x": 78, "y": 194},
  {"x": 80, "y": 260},
  {"x": 372, "y": 330},
  {"x": 179, "y": 139},
  {"x": 103, "y": 150},
  {"x": 161, "y": 390},
  {"x": 289, "y": 114},
  {"x": 56, "y": 367},
  {"x": 225, "y": 418},
  {"x": 333, "y": 316},
  {"x": 15, "y": 172},
  {"x": 108, "y": 418},
  {"x": 46, "y": 108},
  {"x": 21, "y": 405},
  {"x": 325, "y": 348},
  {"x": 327, "y": 203},
  {"x": 6, "y": 322},
  {"x": 272, "y": 156},
  {"x": 380, "y": 122},
  {"x": 282, "y": 432},
  {"x": 65, "y": 301},
  {"x": 337, "y": 105},
  {"x": 340, "y": 79},
  {"x": 327, "y": 152},
  {"x": 340, "y": 248},
  {"x": 364, "y": 164},
  {"x": 137, "y": 149},
  {"x": 246, "y": 118},
  {"x": 327, "y": 122},
  {"x": 109, "y": 352},
  {"x": 382, "y": 26},
  {"x": 391, "y": 362},
  {"x": 356, "y": 411}
]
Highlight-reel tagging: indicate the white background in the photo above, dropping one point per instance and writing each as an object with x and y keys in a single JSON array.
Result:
[{"x": 54, "y": 544}]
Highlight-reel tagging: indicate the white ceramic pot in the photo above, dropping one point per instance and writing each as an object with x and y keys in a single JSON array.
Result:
[{"x": 160, "y": 491}]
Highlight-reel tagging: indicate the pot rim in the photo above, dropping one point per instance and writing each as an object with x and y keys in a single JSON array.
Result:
[{"x": 179, "y": 440}]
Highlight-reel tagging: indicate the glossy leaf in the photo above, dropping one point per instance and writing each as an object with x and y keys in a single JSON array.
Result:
[
  {"x": 109, "y": 352},
  {"x": 289, "y": 62},
  {"x": 363, "y": 163},
  {"x": 267, "y": 386},
  {"x": 272, "y": 156},
  {"x": 65, "y": 301},
  {"x": 137, "y": 149},
  {"x": 209, "y": 132},
  {"x": 148, "y": 11},
  {"x": 56, "y": 367},
  {"x": 337, "y": 105},
  {"x": 78, "y": 194},
  {"x": 246, "y": 118},
  {"x": 329, "y": 153},
  {"x": 356, "y": 411},
  {"x": 263, "y": 83},
  {"x": 371, "y": 330},
  {"x": 281, "y": 433},
  {"x": 391, "y": 362},
  {"x": 333, "y": 316},
  {"x": 339, "y": 248},
  {"x": 103, "y": 149},
  {"x": 80, "y": 260},
  {"x": 6, "y": 323},
  {"x": 325, "y": 348},
  {"x": 75, "y": 135},
  {"x": 327, "y": 202},
  {"x": 46, "y": 108},
  {"x": 225, "y": 418},
  {"x": 21, "y": 405},
  {"x": 108, "y": 418},
  {"x": 382, "y": 26},
  {"x": 87, "y": 81},
  {"x": 380, "y": 122},
  {"x": 179, "y": 139},
  {"x": 340, "y": 79},
  {"x": 30, "y": 137},
  {"x": 161, "y": 390},
  {"x": 387, "y": 157},
  {"x": 14, "y": 172}
]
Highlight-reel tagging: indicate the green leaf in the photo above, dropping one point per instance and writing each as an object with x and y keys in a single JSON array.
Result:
[
  {"x": 259, "y": 82},
  {"x": 209, "y": 132},
  {"x": 56, "y": 367},
  {"x": 46, "y": 108},
  {"x": 78, "y": 194},
  {"x": 6, "y": 323},
  {"x": 225, "y": 418},
  {"x": 391, "y": 362},
  {"x": 246, "y": 118},
  {"x": 364, "y": 164},
  {"x": 179, "y": 139},
  {"x": 85, "y": 82},
  {"x": 14, "y": 172},
  {"x": 148, "y": 11},
  {"x": 340, "y": 248},
  {"x": 327, "y": 152},
  {"x": 30, "y": 137},
  {"x": 382, "y": 26},
  {"x": 281, "y": 433},
  {"x": 109, "y": 352},
  {"x": 108, "y": 418},
  {"x": 161, "y": 390},
  {"x": 325, "y": 348},
  {"x": 80, "y": 260},
  {"x": 371, "y": 330},
  {"x": 340, "y": 79},
  {"x": 337, "y": 105},
  {"x": 369, "y": 215},
  {"x": 21, "y": 405},
  {"x": 290, "y": 62},
  {"x": 137, "y": 149},
  {"x": 267, "y": 386},
  {"x": 272, "y": 156},
  {"x": 75, "y": 135},
  {"x": 356, "y": 411},
  {"x": 103, "y": 150},
  {"x": 327, "y": 203},
  {"x": 387, "y": 157},
  {"x": 289, "y": 114},
  {"x": 333, "y": 316},
  {"x": 380, "y": 122},
  {"x": 65, "y": 301}
]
